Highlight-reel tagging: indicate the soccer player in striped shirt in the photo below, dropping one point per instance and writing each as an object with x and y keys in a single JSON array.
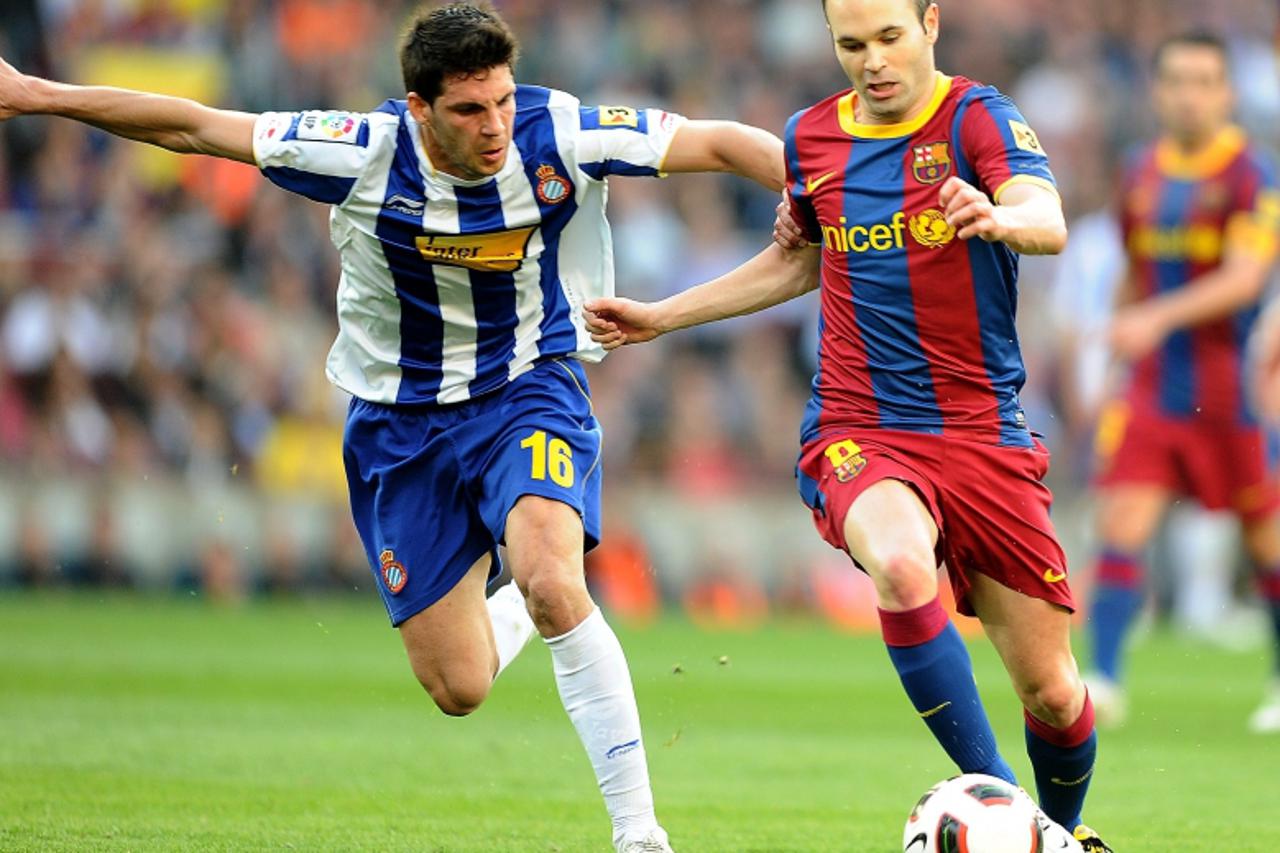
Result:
[
  {"x": 1200, "y": 213},
  {"x": 469, "y": 218},
  {"x": 918, "y": 191}
]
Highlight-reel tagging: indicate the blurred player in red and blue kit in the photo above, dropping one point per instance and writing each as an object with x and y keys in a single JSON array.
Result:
[
  {"x": 919, "y": 190},
  {"x": 1200, "y": 214}
]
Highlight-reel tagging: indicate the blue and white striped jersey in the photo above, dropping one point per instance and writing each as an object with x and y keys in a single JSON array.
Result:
[{"x": 453, "y": 288}]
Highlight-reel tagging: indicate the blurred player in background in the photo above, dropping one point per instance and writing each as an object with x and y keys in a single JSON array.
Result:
[
  {"x": 469, "y": 218},
  {"x": 921, "y": 189},
  {"x": 1200, "y": 214}
]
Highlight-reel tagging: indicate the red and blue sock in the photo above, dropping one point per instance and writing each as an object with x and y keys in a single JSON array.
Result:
[
  {"x": 1062, "y": 760},
  {"x": 935, "y": 669},
  {"x": 1117, "y": 598}
]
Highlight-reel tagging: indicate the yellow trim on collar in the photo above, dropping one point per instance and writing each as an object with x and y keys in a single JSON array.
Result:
[
  {"x": 1206, "y": 162},
  {"x": 847, "y": 105}
]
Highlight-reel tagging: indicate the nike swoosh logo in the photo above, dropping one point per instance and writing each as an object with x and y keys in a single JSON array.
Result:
[
  {"x": 924, "y": 715},
  {"x": 813, "y": 183},
  {"x": 1054, "y": 576},
  {"x": 921, "y": 839}
]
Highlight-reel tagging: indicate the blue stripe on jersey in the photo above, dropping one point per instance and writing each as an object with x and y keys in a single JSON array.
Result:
[
  {"x": 421, "y": 328},
  {"x": 327, "y": 189},
  {"x": 996, "y": 266},
  {"x": 535, "y": 138},
  {"x": 1177, "y": 362},
  {"x": 1242, "y": 326},
  {"x": 605, "y": 168},
  {"x": 812, "y": 420},
  {"x": 803, "y": 203},
  {"x": 883, "y": 306},
  {"x": 493, "y": 294}
]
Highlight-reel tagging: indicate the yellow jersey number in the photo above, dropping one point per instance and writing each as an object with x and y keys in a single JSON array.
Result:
[{"x": 551, "y": 457}]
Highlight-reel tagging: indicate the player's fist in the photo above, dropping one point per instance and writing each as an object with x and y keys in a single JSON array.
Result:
[
  {"x": 786, "y": 233},
  {"x": 15, "y": 92},
  {"x": 968, "y": 210},
  {"x": 613, "y": 322}
]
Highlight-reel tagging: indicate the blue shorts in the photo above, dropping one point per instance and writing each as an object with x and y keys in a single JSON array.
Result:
[{"x": 431, "y": 486}]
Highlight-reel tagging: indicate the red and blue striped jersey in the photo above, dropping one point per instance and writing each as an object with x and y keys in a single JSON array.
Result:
[
  {"x": 1181, "y": 215},
  {"x": 917, "y": 327}
]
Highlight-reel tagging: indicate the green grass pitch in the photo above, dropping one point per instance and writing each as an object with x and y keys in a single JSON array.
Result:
[{"x": 158, "y": 724}]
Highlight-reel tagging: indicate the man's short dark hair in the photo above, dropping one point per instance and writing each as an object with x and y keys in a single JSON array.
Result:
[
  {"x": 460, "y": 38},
  {"x": 922, "y": 6},
  {"x": 1191, "y": 38}
]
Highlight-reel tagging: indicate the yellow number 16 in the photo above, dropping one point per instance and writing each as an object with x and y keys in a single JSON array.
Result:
[{"x": 556, "y": 452}]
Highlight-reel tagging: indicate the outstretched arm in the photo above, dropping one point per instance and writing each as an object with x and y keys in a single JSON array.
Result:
[
  {"x": 768, "y": 279},
  {"x": 178, "y": 124},
  {"x": 727, "y": 146}
]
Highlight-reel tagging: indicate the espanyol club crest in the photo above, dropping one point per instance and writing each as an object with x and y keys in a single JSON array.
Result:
[
  {"x": 932, "y": 162},
  {"x": 393, "y": 572},
  {"x": 552, "y": 189}
]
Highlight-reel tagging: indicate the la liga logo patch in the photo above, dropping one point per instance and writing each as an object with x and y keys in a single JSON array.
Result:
[{"x": 394, "y": 575}]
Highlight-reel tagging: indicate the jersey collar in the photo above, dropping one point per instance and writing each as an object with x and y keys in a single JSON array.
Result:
[
  {"x": 853, "y": 127},
  {"x": 1208, "y": 161}
]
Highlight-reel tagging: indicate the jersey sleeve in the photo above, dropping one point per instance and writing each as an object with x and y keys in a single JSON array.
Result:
[
  {"x": 1002, "y": 148},
  {"x": 799, "y": 201},
  {"x": 1253, "y": 226},
  {"x": 624, "y": 140},
  {"x": 316, "y": 154}
]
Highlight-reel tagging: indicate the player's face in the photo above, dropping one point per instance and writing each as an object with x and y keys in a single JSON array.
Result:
[
  {"x": 1192, "y": 92},
  {"x": 887, "y": 53},
  {"x": 467, "y": 129}
]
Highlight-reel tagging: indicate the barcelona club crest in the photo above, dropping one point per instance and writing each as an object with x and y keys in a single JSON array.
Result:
[
  {"x": 552, "y": 189},
  {"x": 932, "y": 162},
  {"x": 393, "y": 573}
]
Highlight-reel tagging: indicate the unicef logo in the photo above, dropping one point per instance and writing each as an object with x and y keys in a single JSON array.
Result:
[{"x": 931, "y": 229}]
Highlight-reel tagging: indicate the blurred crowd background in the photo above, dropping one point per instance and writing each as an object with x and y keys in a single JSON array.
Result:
[{"x": 164, "y": 418}]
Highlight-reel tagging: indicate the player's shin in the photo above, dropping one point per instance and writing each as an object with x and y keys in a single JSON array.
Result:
[
  {"x": 1062, "y": 760},
  {"x": 934, "y": 666},
  {"x": 595, "y": 688},
  {"x": 1117, "y": 598}
]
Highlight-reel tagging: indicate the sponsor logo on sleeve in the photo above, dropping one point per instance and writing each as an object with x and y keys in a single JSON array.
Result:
[
  {"x": 618, "y": 117},
  {"x": 274, "y": 125},
  {"x": 1025, "y": 138},
  {"x": 329, "y": 127}
]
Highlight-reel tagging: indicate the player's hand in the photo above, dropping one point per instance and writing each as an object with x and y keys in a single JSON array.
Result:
[
  {"x": 968, "y": 210},
  {"x": 614, "y": 322},
  {"x": 786, "y": 233},
  {"x": 15, "y": 94},
  {"x": 1136, "y": 330}
]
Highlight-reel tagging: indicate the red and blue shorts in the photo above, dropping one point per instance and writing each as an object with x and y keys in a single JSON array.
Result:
[
  {"x": 1221, "y": 464},
  {"x": 988, "y": 502}
]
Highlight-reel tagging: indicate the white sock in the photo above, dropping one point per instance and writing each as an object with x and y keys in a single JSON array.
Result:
[
  {"x": 595, "y": 687},
  {"x": 512, "y": 626}
]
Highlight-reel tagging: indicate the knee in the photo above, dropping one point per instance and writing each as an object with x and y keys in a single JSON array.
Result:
[
  {"x": 1057, "y": 700},
  {"x": 906, "y": 580},
  {"x": 457, "y": 696},
  {"x": 557, "y": 599}
]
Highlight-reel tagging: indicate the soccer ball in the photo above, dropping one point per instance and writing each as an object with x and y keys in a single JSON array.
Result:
[{"x": 974, "y": 813}]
